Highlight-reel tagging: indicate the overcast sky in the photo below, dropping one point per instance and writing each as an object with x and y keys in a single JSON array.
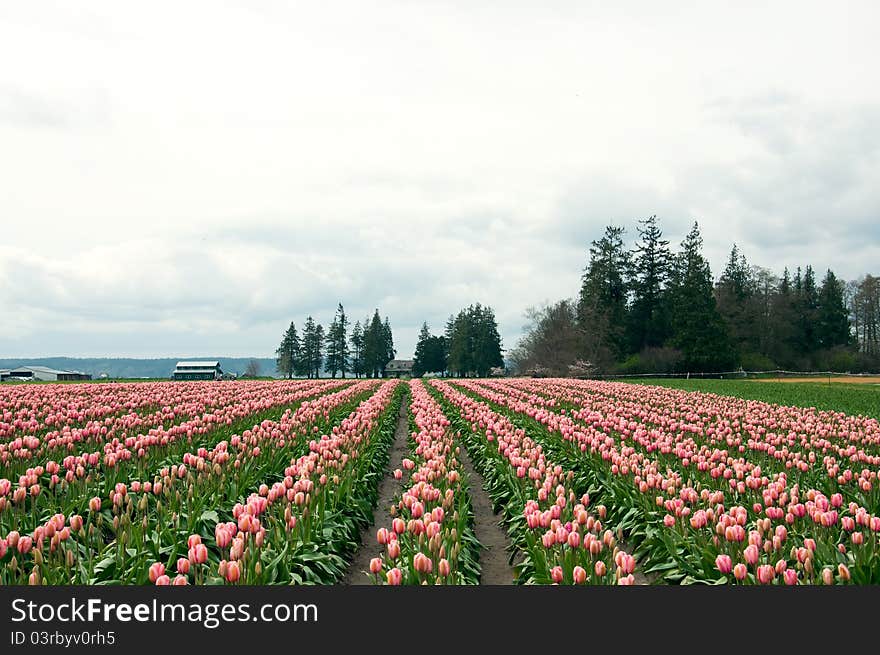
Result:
[{"x": 184, "y": 178}]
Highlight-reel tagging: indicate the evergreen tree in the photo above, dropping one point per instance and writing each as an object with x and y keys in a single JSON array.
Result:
[
  {"x": 430, "y": 355},
  {"x": 357, "y": 349},
  {"x": 738, "y": 304},
  {"x": 332, "y": 353},
  {"x": 474, "y": 342},
  {"x": 647, "y": 317},
  {"x": 602, "y": 305},
  {"x": 421, "y": 354},
  {"x": 435, "y": 358},
  {"x": 337, "y": 344},
  {"x": 833, "y": 326},
  {"x": 698, "y": 330},
  {"x": 387, "y": 345},
  {"x": 318, "y": 353},
  {"x": 375, "y": 348},
  {"x": 288, "y": 353},
  {"x": 312, "y": 347},
  {"x": 808, "y": 312}
]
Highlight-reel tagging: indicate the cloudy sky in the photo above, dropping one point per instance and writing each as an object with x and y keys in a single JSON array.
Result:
[{"x": 184, "y": 178}]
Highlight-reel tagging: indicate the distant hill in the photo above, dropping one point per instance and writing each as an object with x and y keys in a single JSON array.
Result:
[{"x": 136, "y": 368}]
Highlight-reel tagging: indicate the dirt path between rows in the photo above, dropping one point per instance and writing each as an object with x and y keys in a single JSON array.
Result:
[
  {"x": 359, "y": 569},
  {"x": 494, "y": 569}
]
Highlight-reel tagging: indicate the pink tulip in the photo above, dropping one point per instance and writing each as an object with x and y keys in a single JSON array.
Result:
[
  {"x": 443, "y": 568},
  {"x": 375, "y": 565},
  {"x": 724, "y": 564},
  {"x": 765, "y": 574},
  {"x": 422, "y": 563},
  {"x": 580, "y": 575},
  {"x": 740, "y": 571},
  {"x": 198, "y": 554},
  {"x": 163, "y": 581},
  {"x": 751, "y": 554},
  {"x": 156, "y": 571},
  {"x": 827, "y": 576},
  {"x": 394, "y": 576},
  {"x": 556, "y": 574},
  {"x": 233, "y": 572}
]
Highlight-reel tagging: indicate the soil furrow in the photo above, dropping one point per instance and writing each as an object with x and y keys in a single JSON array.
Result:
[
  {"x": 494, "y": 569},
  {"x": 358, "y": 570}
]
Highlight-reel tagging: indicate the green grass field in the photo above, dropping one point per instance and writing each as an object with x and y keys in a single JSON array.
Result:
[{"x": 849, "y": 398}]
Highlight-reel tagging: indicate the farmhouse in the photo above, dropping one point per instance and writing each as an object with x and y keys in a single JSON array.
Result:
[
  {"x": 397, "y": 367},
  {"x": 44, "y": 374},
  {"x": 197, "y": 371}
]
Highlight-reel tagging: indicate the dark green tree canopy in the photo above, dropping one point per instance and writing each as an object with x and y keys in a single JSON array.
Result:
[{"x": 474, "y": 344}]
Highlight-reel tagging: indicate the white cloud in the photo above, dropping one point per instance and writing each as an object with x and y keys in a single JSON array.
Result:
[{"x": 187, "y": 178}]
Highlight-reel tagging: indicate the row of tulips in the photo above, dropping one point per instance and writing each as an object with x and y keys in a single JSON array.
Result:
[
  {"x": 690, "y": 522},
  {"x": 34, "y": 410},
  {"x": 559, "y": 538},
  {"x": 190, "y": 410},
  {"x": 831, "y": 451},
  {"x": 140, "y": 407},
  {"x": 111, "y": 539},
  {"x": 65, "y": 484},
  {"x": 430, "y": 540},
  {"x": 301, "y": 528}
]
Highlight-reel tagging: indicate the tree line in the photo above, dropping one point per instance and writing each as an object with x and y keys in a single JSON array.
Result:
[
  {"x": 650, "y": 309},
  {"x": 469, "y": 346},
  {"x": 364, "y": 352}
]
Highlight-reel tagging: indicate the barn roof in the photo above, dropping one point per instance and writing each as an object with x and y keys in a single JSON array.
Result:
[
  {"x": 39, "y": 369},
  {"x": 399, "y": 365},
  {"x": 211, "y": 364}
]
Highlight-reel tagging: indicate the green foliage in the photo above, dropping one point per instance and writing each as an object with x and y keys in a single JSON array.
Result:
[
  {"x": 653, "y": 360},
  {"x": 839, "y": 397},
  {"x": 312, "y": 349},
  {"x": 756, "y": 362},
  {"x": 337, "y": 344},
  {"x": 648, "y": 315},
  {"x": 430, "y": 355},
  {"x": 474, "y": 342},
  {"x": 289, "y": 353},
  {"x": 698, "y": 330},
  {"x": 833, "y": 327},
  {"x": 376, "y": 347},
  {"x": 602, "y": 305}
]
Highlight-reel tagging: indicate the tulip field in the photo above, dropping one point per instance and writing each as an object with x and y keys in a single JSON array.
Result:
[{"x": 276, "y": 482}]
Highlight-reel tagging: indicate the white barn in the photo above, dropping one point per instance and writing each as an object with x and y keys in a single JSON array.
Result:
[
  {"x": 45, "y": 374},
  {"x": 197, "y": 371}
]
